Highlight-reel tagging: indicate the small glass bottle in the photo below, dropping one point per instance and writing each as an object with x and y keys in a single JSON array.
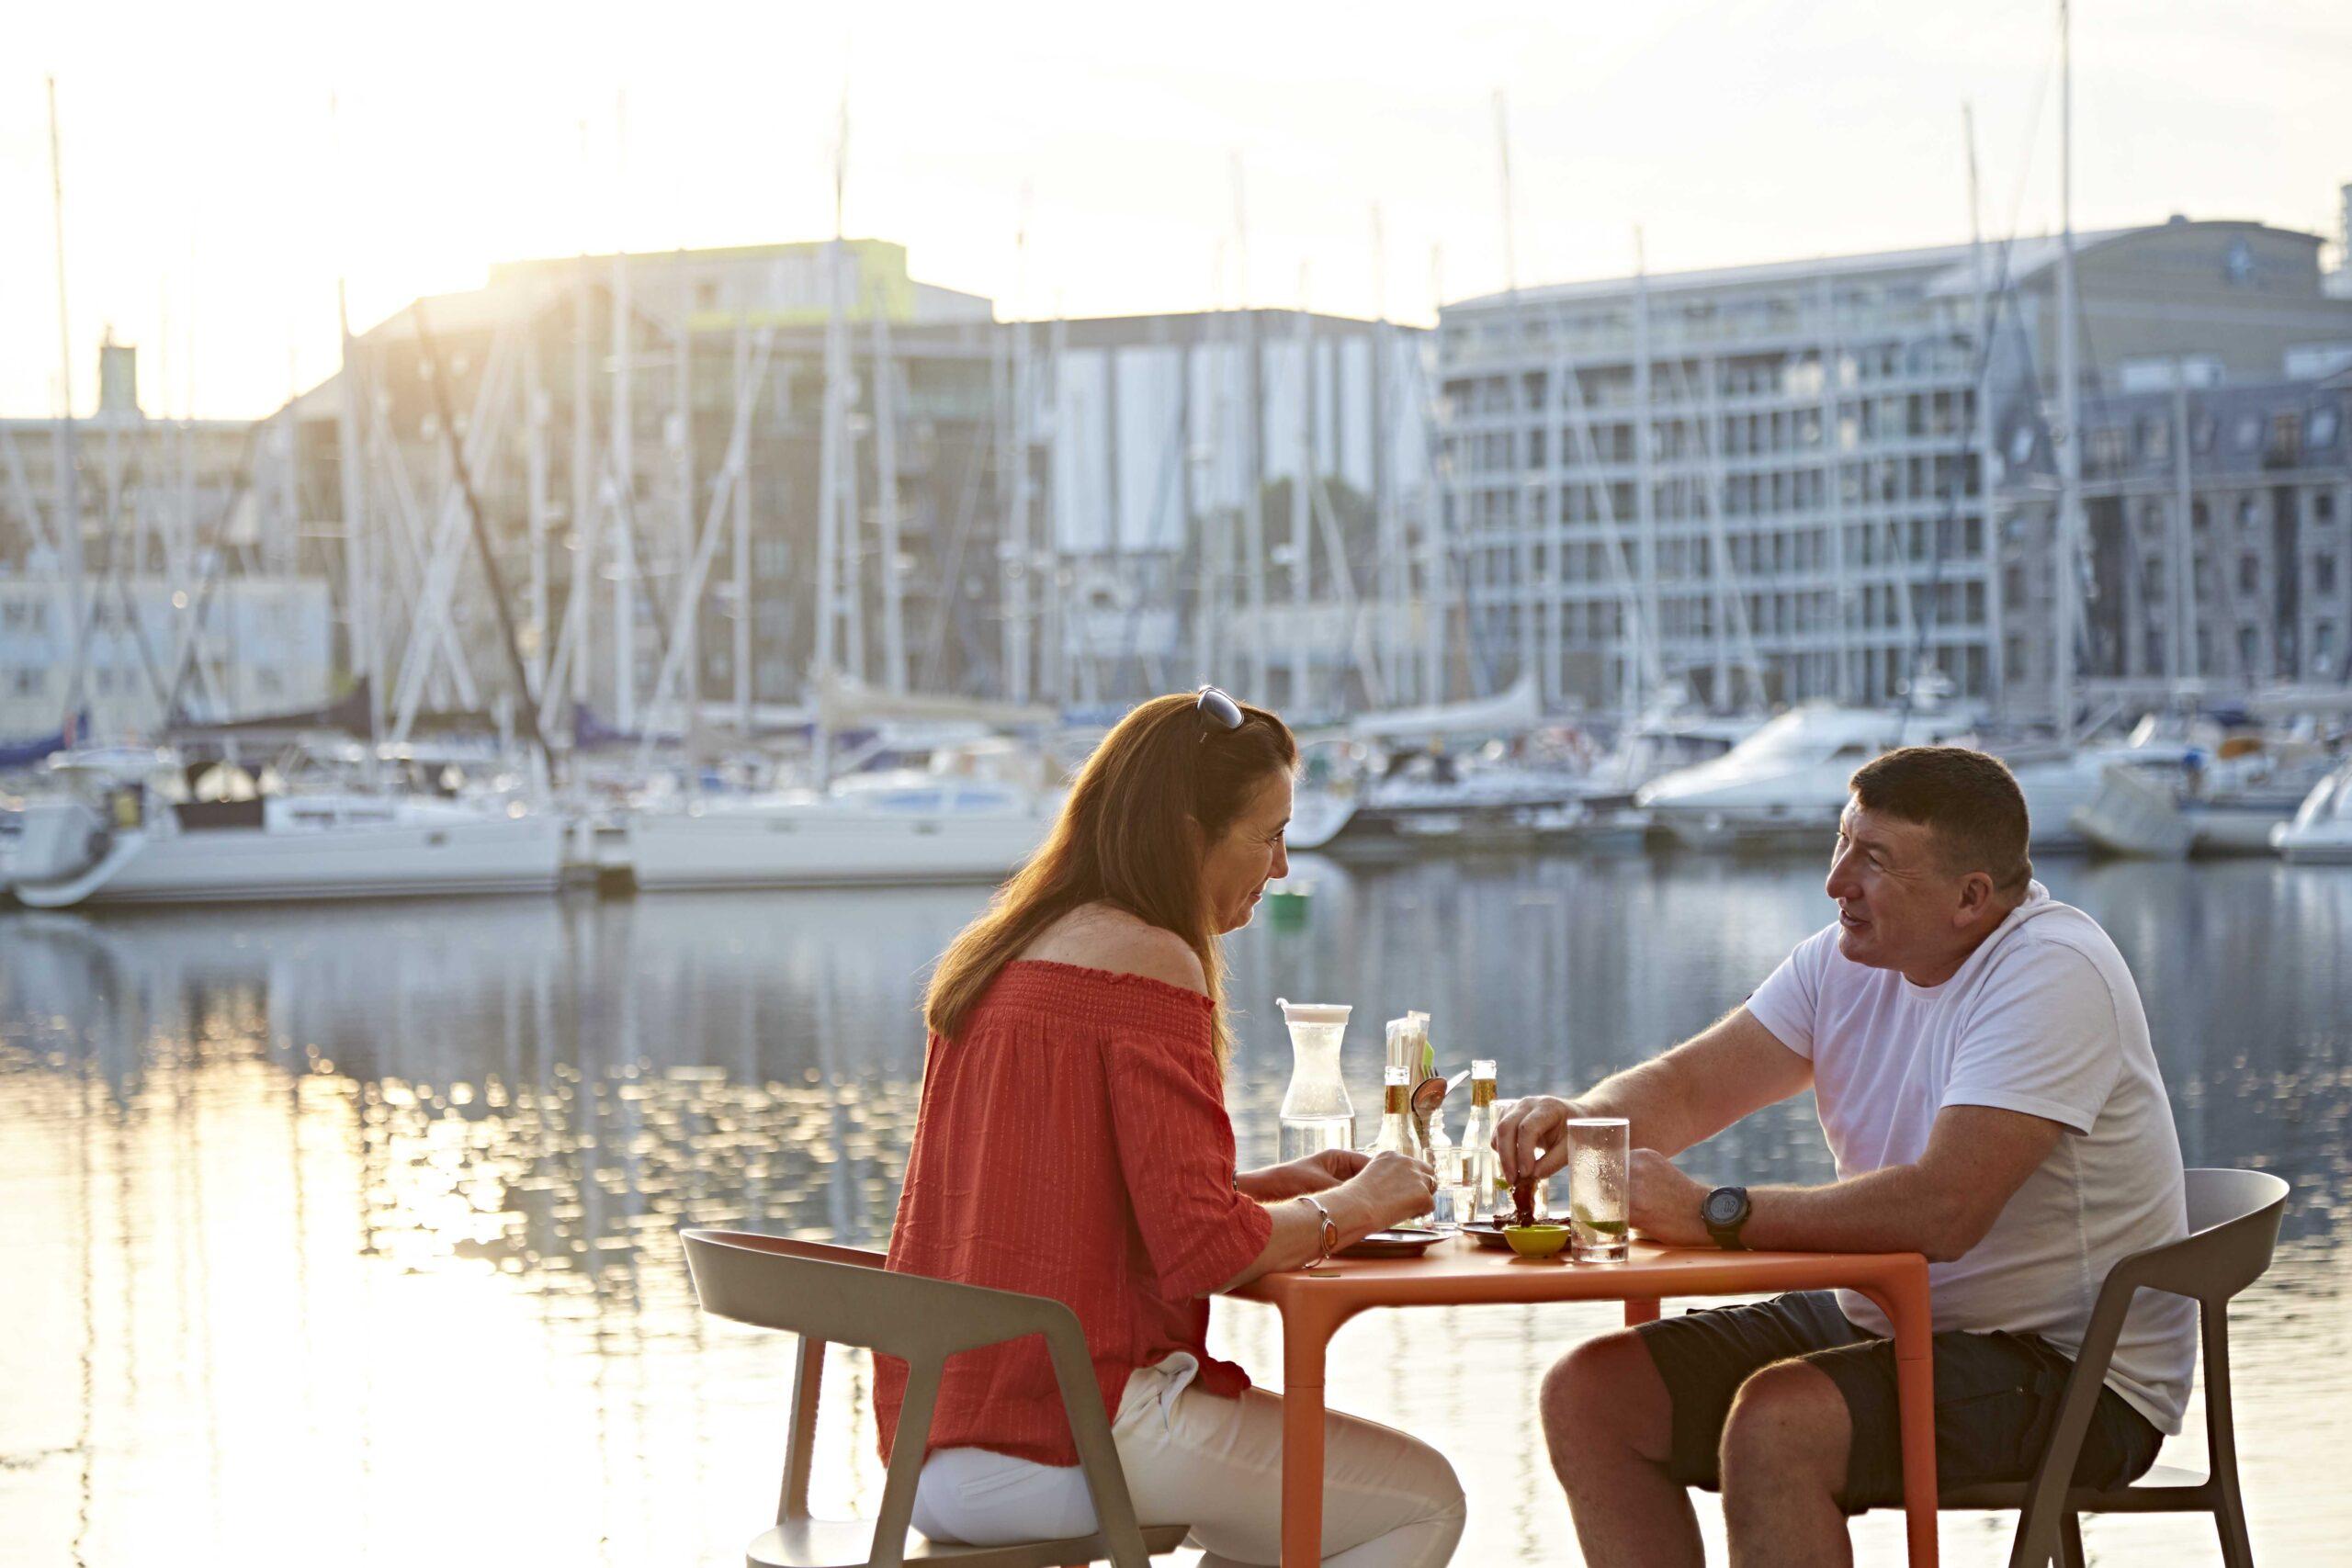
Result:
[
  {"x": 1395, "y": 1115},
  {"x": 1396, "y": 1130},
  {"x": 1478, "y": 1159}
]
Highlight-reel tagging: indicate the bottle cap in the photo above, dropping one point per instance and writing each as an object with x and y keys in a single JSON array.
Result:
[
  {"x": 1481, "y": 1069},
  {"x": 1395, "y": 1075}
]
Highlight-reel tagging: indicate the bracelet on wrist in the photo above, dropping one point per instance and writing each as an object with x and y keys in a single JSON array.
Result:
[{"x": 1327, "y": 1237}]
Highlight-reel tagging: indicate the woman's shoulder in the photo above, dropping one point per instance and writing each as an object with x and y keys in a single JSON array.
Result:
[{"x": 1104, "y": 937}]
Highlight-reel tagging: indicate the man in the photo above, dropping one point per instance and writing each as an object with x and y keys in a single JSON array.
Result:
[{"x": 1981, "y": 1065}]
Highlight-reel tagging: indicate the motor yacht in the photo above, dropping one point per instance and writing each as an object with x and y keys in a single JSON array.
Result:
[{"x": 1786, "y": 782}]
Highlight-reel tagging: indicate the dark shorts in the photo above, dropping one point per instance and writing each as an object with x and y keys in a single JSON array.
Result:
[{"x": 1996, "y": 1397}]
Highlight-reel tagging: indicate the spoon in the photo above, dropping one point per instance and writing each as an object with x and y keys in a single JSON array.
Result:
[{"x": 1428, "y": 1095}]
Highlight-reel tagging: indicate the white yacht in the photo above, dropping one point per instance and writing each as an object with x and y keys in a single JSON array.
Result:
[
  {"x": 900, "y": 828},
  {"x": 974, "y": 814},
  {"x": 2182, "y": 787},
  {"x": 124, "y": 830},
  {"x": 2321, "y": 831},
  {"x": 1786, "y": 782}
]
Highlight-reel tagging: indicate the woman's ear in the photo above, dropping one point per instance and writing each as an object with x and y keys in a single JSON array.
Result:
[{"x": 1194, "y": 839}]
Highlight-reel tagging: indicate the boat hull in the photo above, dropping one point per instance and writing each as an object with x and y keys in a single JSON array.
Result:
[
  {"x": 489, "y": 857},
  {"x": 815, "y": 849}
]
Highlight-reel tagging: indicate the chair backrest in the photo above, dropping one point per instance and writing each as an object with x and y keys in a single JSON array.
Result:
[
  {"x": 2233, "y": 1218},
  {"x": 843, "y": 1294}
]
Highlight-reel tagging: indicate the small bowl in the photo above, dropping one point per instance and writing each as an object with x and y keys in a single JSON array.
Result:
[{"x": 1536, "y": 1241}]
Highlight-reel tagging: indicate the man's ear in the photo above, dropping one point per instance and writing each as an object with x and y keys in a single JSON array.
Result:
[{"x": 1976, "y": 892}]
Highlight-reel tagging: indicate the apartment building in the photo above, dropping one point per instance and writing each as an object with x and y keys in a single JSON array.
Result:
[{"x": 1786, "y": 481}]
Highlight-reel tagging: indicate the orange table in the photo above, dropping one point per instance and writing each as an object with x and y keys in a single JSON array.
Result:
[{"x": 1460, "y": 1273}]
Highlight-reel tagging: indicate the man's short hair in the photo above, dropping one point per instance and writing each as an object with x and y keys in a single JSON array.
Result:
[{"x": 1971, "y": 801}]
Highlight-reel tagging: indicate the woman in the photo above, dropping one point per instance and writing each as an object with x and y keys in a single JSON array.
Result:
[{"x": 1073, "y": 1142}]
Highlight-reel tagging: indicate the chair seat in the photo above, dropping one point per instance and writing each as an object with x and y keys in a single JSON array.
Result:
[
  {"x": 849, "y": 1543},
  {"x": 2163, "y": 1490}
]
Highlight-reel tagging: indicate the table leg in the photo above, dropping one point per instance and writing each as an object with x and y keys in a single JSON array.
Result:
[
  {"x": 1640, "y": 1312},
  {"x": 1303, "y": 1339},
  {"x": 1904, "y": 1298}
]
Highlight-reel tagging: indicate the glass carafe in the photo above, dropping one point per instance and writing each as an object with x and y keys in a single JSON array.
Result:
[{"x": 1316, "y": 1113}]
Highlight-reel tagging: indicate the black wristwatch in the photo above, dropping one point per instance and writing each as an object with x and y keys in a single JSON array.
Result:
[{"x": 1723, "y": 1211}]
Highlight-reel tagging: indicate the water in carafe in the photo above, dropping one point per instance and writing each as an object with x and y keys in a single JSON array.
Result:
[{"x": 1316, "y": 1113}]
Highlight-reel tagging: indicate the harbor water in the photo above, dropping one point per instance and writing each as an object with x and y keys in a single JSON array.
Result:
[{"x": 347, "y": 1233}]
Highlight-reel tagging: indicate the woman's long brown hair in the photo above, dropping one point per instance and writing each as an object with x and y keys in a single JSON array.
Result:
[{"x": 1165, "y": 782}]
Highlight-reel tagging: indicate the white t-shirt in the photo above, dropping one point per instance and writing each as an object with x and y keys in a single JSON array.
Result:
[{"x": 2043, "y": 1017}]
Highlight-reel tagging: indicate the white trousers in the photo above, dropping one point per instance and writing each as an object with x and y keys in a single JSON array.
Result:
[{"x": 1389, "y": 1501}]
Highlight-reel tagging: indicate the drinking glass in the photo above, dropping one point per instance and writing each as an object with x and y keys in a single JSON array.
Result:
[{"x": 1597, "y": 1160}]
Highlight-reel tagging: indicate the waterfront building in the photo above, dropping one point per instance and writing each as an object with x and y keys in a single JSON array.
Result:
[
  {"x": 261, "y": 643},
  {"x": 145, "y": 559},
  {"x": 2218, "y": 555},
  {"x": 1047, "y": 512},
  {"x": 1780, "y": 483}
]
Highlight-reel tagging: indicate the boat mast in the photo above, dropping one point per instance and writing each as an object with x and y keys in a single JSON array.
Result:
[
  {"x": 1514, "y": 450},
  {"x": 829, "y": 476},
  {"x": 69, "y": 498},
  {"x": 1253, "y": 468},
  {"x": 358, "y": 580},
  {"x": 1013, "y": 548},
  {"x": 1301, "y": 543},
  {"x": 2070, "y": 456},
  {"x": 1995, "y": 676},
  {"x": 886, "y": 496},
  {"x": 624, "y": 462}
]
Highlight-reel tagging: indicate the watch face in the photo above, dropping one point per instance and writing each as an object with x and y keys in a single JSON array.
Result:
[{"x": 1722, "y": 1207}]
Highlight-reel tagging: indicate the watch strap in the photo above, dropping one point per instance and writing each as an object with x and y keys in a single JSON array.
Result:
[{"x": 1727, "y": 1236}]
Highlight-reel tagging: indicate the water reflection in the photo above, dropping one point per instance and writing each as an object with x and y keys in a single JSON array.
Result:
[{"x": 353, "y": 1226}]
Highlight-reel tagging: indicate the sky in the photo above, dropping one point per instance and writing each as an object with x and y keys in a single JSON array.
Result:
[{"x": 224, "y": 165}]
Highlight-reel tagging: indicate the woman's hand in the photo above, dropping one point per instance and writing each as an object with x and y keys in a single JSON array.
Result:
[
  {"x": 1316, "y": 1173},
  {"x": 1332, "y": 1167},
  {"x": 1389, "y": 1188}
]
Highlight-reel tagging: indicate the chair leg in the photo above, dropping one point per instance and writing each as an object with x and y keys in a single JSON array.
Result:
[
  {"x": 2229, "y": 1522},
  {"x": 2070, "y": 1541}
]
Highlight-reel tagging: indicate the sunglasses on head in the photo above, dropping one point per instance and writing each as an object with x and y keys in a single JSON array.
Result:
[{"x": 1211, "y": 706}]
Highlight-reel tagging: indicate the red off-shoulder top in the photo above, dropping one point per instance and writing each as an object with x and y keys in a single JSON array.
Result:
[{"x": 1072, "y": 1142}]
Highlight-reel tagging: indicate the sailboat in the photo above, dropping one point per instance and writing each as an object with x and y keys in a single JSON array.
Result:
[{"x": 126, "y": 827}]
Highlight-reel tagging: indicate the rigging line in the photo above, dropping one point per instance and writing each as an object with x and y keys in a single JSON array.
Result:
[
  {"x": 187, "y": 661},
  {"x": 2005, "y": 288},
  {"x": 525, "y": 704},
  {"x": 1925, "y": 626}
]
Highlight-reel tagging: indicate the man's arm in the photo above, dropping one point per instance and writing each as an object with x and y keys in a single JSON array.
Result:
[
  {"x": 1736, "y": 1066},
  {"x": 1941, "y": 1205}
]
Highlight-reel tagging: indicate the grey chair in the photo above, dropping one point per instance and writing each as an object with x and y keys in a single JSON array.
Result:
[
  {"x": 842, "y": 1294},
  {"x": 2232, "y": 1227}
]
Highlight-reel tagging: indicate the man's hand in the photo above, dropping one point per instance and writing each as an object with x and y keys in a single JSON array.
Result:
[
  {"x": 1662, "y": 1203},
  {"x": 1529, "y": 1138}
]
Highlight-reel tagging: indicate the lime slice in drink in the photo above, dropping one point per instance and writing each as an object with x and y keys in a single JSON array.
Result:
[{"x": 1605, "y": 1227}]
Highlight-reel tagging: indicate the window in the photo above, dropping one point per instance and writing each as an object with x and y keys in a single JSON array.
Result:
[
  {"x": 2321, "y": 430},
  {"x": 2249, "y": 432},
  {"x": 2249, "y": 572},
  {"x": 2324, "y": 573}
]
